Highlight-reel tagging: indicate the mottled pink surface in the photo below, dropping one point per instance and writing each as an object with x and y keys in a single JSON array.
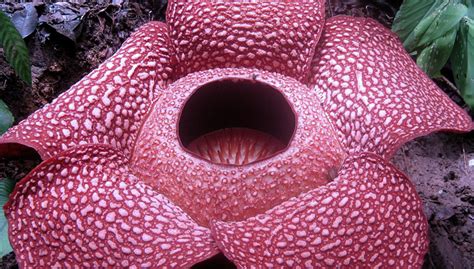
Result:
[
  {"x": 119, "y": 188},
  {"x": 89, "y": 210},
  {"x": 370, "y": 88},
  {"x": 223, "y": 192},
  {"x": 370, "y": 215}
]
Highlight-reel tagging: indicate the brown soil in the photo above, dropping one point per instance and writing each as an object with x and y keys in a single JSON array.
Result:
[
  {"x": 438, "y": 164},
  {"x": 58, "y": 62}
]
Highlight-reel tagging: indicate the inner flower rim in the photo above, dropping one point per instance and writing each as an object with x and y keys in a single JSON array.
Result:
[{"x": 260, "y": 111}]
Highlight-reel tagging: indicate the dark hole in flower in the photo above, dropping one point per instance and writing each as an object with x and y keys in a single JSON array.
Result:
[{"x": 236, "y": 121}]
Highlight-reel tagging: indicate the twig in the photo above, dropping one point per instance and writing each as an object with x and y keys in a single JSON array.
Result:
[
  {"x": 465, "y": 159},
  {"x": 404, "y": 158},
  {"x": 330, "y": 8},
  {"x": 450, "y": 84}
]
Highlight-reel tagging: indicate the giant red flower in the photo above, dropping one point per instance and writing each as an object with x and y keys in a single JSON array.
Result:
[{"x": 259, "y": 130}]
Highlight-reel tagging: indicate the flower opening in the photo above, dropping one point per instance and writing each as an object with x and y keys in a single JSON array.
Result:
[{"x": 236, "y": 121}]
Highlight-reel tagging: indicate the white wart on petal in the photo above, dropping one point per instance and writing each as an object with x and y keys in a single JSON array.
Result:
[
  {"x": 106, "y": 106},
  {"x": 374, "y": 93},
  {"x": 278, "y": 36},
  {"x": 207, "y": 190},
  {"x": 84, "y": 208},
  {"x": 370, "y": 216}
]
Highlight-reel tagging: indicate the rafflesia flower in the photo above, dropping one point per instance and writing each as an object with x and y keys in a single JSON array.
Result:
[{"x": 259, "y": 130}]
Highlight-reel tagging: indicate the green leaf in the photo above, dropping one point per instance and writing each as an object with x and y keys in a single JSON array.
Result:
[
  {"x": 462, "y": 60},
  {"x": 433, "y": 57},
  {"x": 411, "y": 42},
  {"x": 6, "y": 117},
  {"x": 411, "y": 12},
  {"x": 6, "y": 187},
  {"x": 448, "y": 19},
  {"x": 14, "y": 48},
  {"x": 470, "y": 6}
]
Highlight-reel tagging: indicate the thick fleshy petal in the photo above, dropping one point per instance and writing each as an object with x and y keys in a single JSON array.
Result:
[
  {"x": 373, "y": 91},
  {"x": 84, "y": 208},
  {"x": 369, "y": 217},
  {"x": 207, "y": 190},
  {"x": 107, "y": 106},
  {"x": 269, "y": 35}
]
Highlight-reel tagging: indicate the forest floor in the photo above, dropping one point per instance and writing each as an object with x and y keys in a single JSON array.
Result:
[{"x": 441, "y": 165}]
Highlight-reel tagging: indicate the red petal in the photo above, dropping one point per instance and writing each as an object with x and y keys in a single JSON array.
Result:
[
  {"x": 369, "y": 217},
  {"x": 215, "y": 191},
  {"x": 107, "y": 106},
  {"x": 84, "y": 208},
  {"x": 272, "y": 36},
  {"x": 373, "y": 91}
]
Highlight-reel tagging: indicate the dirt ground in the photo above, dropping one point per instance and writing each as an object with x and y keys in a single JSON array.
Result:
[{"x": 439, "y": 164}]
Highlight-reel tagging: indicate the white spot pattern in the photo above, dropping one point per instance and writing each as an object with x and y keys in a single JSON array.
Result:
[
  {"x": 100, "y": 235},
  {"x": 380, "y": 99},
  {"x": 268, "y": 35},
  {"x": 92, "y": 110},
  {"x": 235, "y": 192},
  {"x": 85, "y": 207},
  {"x": 395, "y": 237}
]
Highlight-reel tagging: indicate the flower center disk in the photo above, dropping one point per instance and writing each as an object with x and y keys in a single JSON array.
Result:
[
  {"x": 235, "y": 146},
  {"x": 227, "y": 144}
]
